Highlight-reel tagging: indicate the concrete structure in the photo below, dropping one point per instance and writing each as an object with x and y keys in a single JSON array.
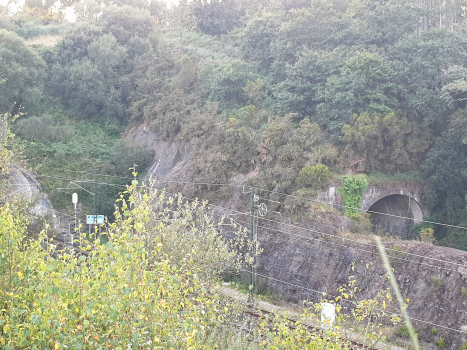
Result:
[{"x": 393, "y": 201}]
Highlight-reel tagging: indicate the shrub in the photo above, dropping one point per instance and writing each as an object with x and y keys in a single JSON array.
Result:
[
  {"x": 402, "y": 332},
  {"x": 315, "y": 177},
  {"x": 441, "y": 343},
  {"x": 434, "y": 331},
  {"x": 360, "y": 224},
  {"x": 427, "y": 235}
]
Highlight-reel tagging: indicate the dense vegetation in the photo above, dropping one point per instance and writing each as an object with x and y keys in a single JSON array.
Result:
[
  {"x": 275, "y": 87},
  {"x": 152, "y": 285}
]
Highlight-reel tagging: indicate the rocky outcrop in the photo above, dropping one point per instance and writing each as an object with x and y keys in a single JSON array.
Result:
[
  {"x": 433, "y": 278},
  {"x": 172, "y": 158}
]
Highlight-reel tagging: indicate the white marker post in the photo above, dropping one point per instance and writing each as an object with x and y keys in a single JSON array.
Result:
[
  {"x": 74, "y": 200},
  {"x": 328, "y": 315}
]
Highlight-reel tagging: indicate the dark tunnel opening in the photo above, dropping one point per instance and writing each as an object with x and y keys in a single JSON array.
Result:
[{"x": 395, "y": 205}]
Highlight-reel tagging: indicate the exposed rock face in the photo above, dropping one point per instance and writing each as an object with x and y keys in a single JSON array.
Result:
[
  {"x": 312, "y": 262},
  {"x": 171, "y": 160}
]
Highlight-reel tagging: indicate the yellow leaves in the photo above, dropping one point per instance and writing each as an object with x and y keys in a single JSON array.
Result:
[
  {"x": 6, "y": 328},
  {"x": 384, "y": 304},
  {"x": 57, "y": 346},
  {"x": 20, "y": 274}
]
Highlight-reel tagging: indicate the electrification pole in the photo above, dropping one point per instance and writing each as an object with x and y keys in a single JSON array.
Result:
[{"x": 250, "y": 244}]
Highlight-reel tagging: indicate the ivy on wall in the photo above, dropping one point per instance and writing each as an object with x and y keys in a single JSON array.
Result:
[{"x": 351, "y": 191}]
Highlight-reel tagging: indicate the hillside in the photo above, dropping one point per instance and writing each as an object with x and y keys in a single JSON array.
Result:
[{"x": 316, "y": 115}]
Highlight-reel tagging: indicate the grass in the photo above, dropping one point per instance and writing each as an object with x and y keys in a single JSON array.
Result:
[{"x": 378, "y": 177}]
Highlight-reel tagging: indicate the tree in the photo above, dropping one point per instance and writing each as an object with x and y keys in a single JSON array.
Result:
[
  {"x": 22, "y": 72},
  {"x": 84, "y": 90},
  {"x": 218, "y": 17},
  {"x": 302, "y": 28},
  {"x": 87, "y": 10},
  {"x": 257, "y": 36},
  {"x": 388, "y": 142},
  {"x": 224, "y": 83},
  {"x": 187, "y": 74},
  {"x": 445, "y": 169},
  {"x": 365, "y": 83},
  {"x": 419, "y": 64}
]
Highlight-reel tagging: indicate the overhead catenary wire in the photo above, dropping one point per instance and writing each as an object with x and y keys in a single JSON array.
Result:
[
  {"x": 294, "y": 226},
  {"x": 362, "y": 210},
  {"x": 363, "y": 250},
  {"x": 287, "y": 195},
  {"x": 273, "y": 192}
]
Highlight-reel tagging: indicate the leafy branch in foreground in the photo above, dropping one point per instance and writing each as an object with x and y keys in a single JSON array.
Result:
[{"x": 151, "y": 286}]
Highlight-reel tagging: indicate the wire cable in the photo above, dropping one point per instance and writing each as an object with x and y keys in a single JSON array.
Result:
[
  {"x": 278, "y": 193},
  {"x": 302, "y": 228}
]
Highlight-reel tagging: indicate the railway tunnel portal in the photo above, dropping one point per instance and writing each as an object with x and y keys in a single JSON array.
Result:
[{"x": 393, "y": 208}]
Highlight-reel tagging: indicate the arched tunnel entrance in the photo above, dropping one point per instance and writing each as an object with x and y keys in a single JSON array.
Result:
[{"x": 395, "y": 205}]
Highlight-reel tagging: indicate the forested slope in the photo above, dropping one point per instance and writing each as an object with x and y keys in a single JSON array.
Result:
[{"x": 269, "y": 88}]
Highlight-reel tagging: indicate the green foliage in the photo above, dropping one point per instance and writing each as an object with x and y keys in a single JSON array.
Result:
[
  {"x": 463, "y": 346},
  {"x": 127, "y": 293},
  {"x": 60, "y": 150},
  {"x": 8, "y": 154},
  {"x": 225, "y": 83},
  {"x": 434, "y": 331},
  {"x": 445, "y": 170},
  {"x": 440, "y": 342},
  {"x": 32, "y": 30},
  {"x": 352, "y": 192},
  {"x": 436, "y": 282},
  {"x": 187, "y": 73},
  {"x": 360, "y": 224},
  {"x": 427, "y": 235},
  {"x": 364, "y": 84},
  {"x": 410, "y": 176},
  {"x": 218, "y": 17},
  {"x": 387, "y": 142},
  {"x": 315, "y": 177},
  {"x": 464, "y": 292},
  {"x": 253, "y": 91},
  {"x": 22, "y": 73},
  {"x": 95, "y": 63},
  {"x": 402, "y": 332}
]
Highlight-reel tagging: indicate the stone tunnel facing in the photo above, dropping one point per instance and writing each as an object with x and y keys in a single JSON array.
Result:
[{"x": 395, "y": 205}]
